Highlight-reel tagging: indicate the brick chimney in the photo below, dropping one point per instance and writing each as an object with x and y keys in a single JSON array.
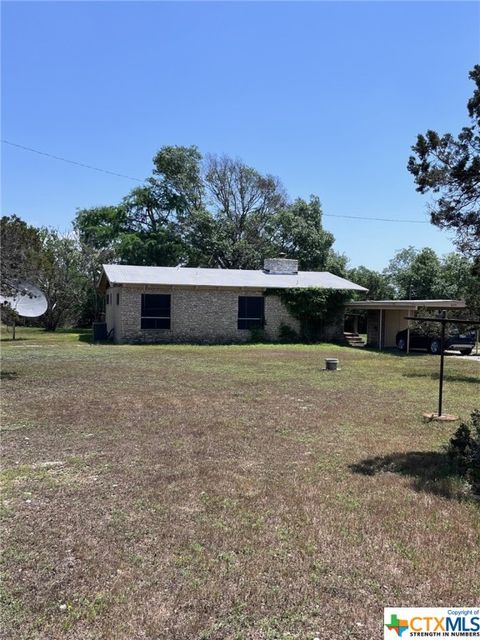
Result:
[{"x": 278, "y": 266}]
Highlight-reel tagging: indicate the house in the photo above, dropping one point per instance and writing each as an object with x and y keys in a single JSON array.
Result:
[
  {"x": 385, "y": 318},
  {"x": 179, "y": 304}
]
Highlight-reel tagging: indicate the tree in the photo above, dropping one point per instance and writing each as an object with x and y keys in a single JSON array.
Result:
[
  {"x": 298, "y": 232},
  {"x": 178, "y": 179},
  {"x": 378, "y": 284},
  {"x": 145, "y": 228},
  {"x": 100, "y": 227},
  {"x": 20, "y": 253},
  {"x": 422, "y": 274},
  {"x": 137, "y": 231},
  {"x": 460, "y": 282},
  {"x": 92, "y": 261},
  {"x": 450, "y": 166},
  {"x": 415, "y": 275},
  {"x": 62, "y": 278},
  {"x": 216, "y": 213},
  {"x": 233, "y": 228}
]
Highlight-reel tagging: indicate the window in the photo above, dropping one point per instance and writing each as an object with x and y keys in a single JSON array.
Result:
[
  {"x": 108, "y": 298},
  {"x": 118, "y": 298},
  {"x": 155, "y": 311},
  {"x": 251, "y": 312}
]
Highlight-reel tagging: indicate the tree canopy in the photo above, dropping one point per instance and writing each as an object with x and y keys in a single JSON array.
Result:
[
  {"x": 19, "y": 258},
  {"x": 378, "y": 284},
  {"x": 422, "y": 274},
  {"x": 216, "y": 212},
  {"x": 450, "y": 167}
]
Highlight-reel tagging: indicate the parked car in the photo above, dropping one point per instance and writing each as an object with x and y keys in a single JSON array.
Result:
[{"x": 455, "y": 341}]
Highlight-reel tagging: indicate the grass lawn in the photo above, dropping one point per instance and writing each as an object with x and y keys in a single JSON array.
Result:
[{"x": 230, "y": 492}]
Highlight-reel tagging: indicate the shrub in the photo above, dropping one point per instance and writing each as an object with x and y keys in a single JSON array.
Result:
[
  {"x": 316, "y": 309},
  {"x": 464, "y": 451},
  {"x": 258, "y": 335},
  {"x": 287, "y": 334}
]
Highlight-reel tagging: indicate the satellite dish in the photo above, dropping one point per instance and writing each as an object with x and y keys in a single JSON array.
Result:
[{"x": 28, "y": 302}]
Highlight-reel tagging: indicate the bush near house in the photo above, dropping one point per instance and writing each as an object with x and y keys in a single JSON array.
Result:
[{"x": 464, "y": 451}]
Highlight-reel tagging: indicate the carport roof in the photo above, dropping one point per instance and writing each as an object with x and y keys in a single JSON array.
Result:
[
  {"x": 407, "y": 304},
  {"x": 244, "y": 278}
]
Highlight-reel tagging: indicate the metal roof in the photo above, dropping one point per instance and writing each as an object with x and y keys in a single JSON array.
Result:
[
  {"x": 407, "y": 304},
  {"x": 185, "y": 276}
]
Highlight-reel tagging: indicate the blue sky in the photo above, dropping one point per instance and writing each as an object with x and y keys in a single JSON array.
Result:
[{"x": 328, "y": 96}]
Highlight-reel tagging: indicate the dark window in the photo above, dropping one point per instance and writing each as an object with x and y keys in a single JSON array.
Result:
[
  {"x": 155, "y": 311},
  {"x": 251, "y": 312},
  {"x": 108, "y": 298},
  {"x": 118, "y": 298}
]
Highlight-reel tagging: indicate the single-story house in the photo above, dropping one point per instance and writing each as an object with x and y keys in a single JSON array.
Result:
[
  {"x": 385, "y": 318},
  {"x": 180, "y": 304}
]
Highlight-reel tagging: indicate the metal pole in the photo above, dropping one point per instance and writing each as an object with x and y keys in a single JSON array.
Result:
[
  {"x": 442, "y": 357},
  {"x": 443, "y": 320},
  {"x": 380, "y": 331}
]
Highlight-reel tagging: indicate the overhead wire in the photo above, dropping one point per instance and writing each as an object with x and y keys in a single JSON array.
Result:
[
  {"x": 79, "y": 164},
  {"x": 123, "y": 175}
]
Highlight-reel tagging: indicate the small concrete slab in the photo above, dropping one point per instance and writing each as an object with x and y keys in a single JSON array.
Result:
[{"x": 434, "y": 417}]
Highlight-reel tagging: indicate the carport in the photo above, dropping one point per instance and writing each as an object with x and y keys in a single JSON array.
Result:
[{"x": 385, "y": 318}]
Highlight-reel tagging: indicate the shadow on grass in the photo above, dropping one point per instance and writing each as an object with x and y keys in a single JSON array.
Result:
[
  {"x": 452, "y": 377},
  {"x": 8, "y": 375},
  {"x": 393, "y": 351},
  {"x": 85, "y": 336},
  {"x": 430, "y": 471}
]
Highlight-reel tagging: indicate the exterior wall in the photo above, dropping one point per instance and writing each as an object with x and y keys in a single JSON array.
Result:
[
  {"x": 373, "y": 328},
  {"x": 277, "y": 314},
  {"x": 395, "y": 322},
  {"x": 333, "y": 331},
  {"x": 197, "y": 315}
]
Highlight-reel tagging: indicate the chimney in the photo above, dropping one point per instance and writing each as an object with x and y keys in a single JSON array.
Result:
[{"x": 284, "y": 266}]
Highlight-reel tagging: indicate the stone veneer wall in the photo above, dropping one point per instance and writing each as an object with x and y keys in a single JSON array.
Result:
[
  {"x": 276, "y": 314},
  {"x": 197, "y": 315}
]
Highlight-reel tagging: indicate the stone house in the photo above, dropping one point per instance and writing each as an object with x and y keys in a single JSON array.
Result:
[{"x": 180, "y": 304}]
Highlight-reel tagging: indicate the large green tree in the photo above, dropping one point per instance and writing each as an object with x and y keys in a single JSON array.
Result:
[
  {"x": 298, "y": 232},
  {"x": 378, "y": 284},
  {"x": 449, "y": 166},
  {"x": 146, "y": 227},
  {"x": 234, "y": 225},
  {"x": 217, "y": 212},
  {"x": 64, "y": 279},
  {"x": 422, "y": 274},
  {"x": 415, "y": 274}
]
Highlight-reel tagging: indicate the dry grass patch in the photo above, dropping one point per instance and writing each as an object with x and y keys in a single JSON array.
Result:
[{"x": 227, "y": 492}]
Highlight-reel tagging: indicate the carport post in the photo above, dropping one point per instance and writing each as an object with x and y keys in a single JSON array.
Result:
[
  {"x": 380, "y": 329},
  {"x": 408, "y": 337},
  {"x": 443, "y": 321},
  {"x": 442, "y": 360}
]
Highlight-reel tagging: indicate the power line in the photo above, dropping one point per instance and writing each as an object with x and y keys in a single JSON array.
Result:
[
  {"x": 122, "y": 175},
  {"x": 79, "y": 164},
  {"x": 332, "y": 215}
]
